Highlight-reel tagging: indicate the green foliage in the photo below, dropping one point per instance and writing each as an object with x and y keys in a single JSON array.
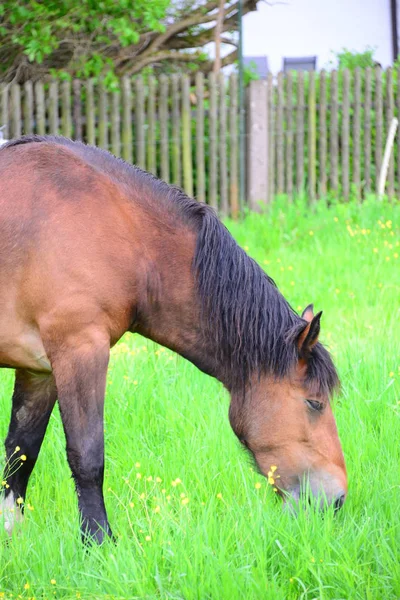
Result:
[
  {"x": 350, "y": 59},
  {"x": 165, "y": 419},
  {"x": 250, "y": 73},
  {"x": 40, "y": 28}
]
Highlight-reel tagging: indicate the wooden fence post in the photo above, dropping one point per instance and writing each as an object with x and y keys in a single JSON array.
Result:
[
  {"x": 223, "y": 179},
  {"x": 164, "y": 130},
  {"x": 16, "y": 110},
  {"x": 333, "y": 141},
  {"x": 233, "y": 141},
  {"x": 289, "y": 135},
  {"x": 300, "y": 133},
  {"x": 270, "y": 138},
  {"x": 345, "y": 134},
  {"x": 322, "y": 135},
  {"x": 186, "y": 137},
  {"x": 312, "y": 136},
  {"x": 357, "y": 131},
  {"x": 367, "y": 129},
  {"x": 378, "y": 124},
  {"x": 40, "y": 108},
  {"x": 213, "y": 135},
  {"x": 127, "y": 120},
  {"x": 258, "y": 144},
  {"x": 200, "y": 171},
  {"x": 28, "y": 107},
  {"x": 280, "y": 137}
]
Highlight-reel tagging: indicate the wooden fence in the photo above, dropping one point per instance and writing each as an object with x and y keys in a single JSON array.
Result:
[
  {"x": 322, "y": 134},
  {"x": 186, "y": 135}
]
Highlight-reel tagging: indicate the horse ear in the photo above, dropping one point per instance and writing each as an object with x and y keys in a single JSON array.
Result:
[
  {"x": 309, "y": 336},
  {"x": 308, "y": 313}
]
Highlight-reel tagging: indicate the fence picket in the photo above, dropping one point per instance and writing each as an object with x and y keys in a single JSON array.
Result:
[
  {"x": 4, "y": 110},
  {"x": 151, "y": 129},
  {"x": 103, "y": 118},
  {"x": 367, "y": 129},
  {"x": 223, "y": 148},
  {"x": 127, "y": 153},
  {"x": 164, "y": 132},
  {"x": 176, "y": 137},
  {"x": 271, "y": 137},
  {"x": 200, "y": 170},
  {"x": 186, "y": 137},
  {"x": 90, "y": 113},
  {"x": 312, "y": 136},
  {"x": 77, "y": 109},
  {"x": 40, "y": 108},
  {"x": 389, "y": 118},
  {"x": 53, "y": 108},
  {"x": 213, "y": 160},
  {"x": 322, "y": 146},
  {"x": 300, "y": 133},
  {"x": 378, "y": 124},
  {"x": 333, "y": 138},
  {"x": 115, "y": 124},
  {"x": 233, "y": 143},
  {"x": 345, "y": 134},
  {"x": 28, "y": 107},
  {"x": 139, "y": 123},
  {"x": 66, "y": 109},
  {"x": 280, "y": 160},
  {"x": 357, "y": 132},
  {"x": 398, "y": 133},
  {"x": 16, "y": 110},
  {"x": 289, "y": 135}
]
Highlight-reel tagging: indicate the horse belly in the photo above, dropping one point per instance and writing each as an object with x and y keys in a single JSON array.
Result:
[{"x": 21, "y": 347}]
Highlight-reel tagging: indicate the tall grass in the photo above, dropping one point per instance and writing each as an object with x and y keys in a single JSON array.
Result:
[{"x": 181, "y": 495}]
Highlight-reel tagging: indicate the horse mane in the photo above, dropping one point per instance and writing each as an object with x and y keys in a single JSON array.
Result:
[{"x": 254, "y": 327}]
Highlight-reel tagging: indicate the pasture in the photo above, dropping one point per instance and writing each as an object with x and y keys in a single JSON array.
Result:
[{"x": 193, "y": 518}]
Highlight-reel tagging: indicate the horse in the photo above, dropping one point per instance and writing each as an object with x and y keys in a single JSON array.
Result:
[{"x": 91, "y": 248}]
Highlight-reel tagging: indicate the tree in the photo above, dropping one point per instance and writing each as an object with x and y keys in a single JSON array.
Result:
[{"x": 86, "y": 38}]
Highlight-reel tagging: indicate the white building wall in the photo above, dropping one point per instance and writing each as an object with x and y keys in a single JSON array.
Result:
[{"x": 317, "y": 27}]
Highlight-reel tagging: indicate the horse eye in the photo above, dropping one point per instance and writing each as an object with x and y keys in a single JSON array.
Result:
[{"x": 315, "y": 405}]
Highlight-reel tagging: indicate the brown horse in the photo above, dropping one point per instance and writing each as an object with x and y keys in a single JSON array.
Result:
[{"x": 90, "y": 248}]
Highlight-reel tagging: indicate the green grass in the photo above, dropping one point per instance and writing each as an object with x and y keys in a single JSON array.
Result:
[{"x": 164, "y": 414}]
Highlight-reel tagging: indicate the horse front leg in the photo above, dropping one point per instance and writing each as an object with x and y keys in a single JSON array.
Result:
[
  {"x": 80, "y": 370},
  {"x": 32, "y": 402}
]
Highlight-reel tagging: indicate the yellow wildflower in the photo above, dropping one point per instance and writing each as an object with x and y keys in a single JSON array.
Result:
[
  {"x": 257, "y": 485},
  {"x": 185, "y": 501}
]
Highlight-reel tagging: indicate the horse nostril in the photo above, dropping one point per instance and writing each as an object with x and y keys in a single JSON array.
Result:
[{"x": 339, "y": 500}]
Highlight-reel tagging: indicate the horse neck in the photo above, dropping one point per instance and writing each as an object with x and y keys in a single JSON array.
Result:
[{"x": 169, "y": 311}]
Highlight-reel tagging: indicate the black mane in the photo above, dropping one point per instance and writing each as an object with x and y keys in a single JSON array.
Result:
[{"x": 254, "y": 327}]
